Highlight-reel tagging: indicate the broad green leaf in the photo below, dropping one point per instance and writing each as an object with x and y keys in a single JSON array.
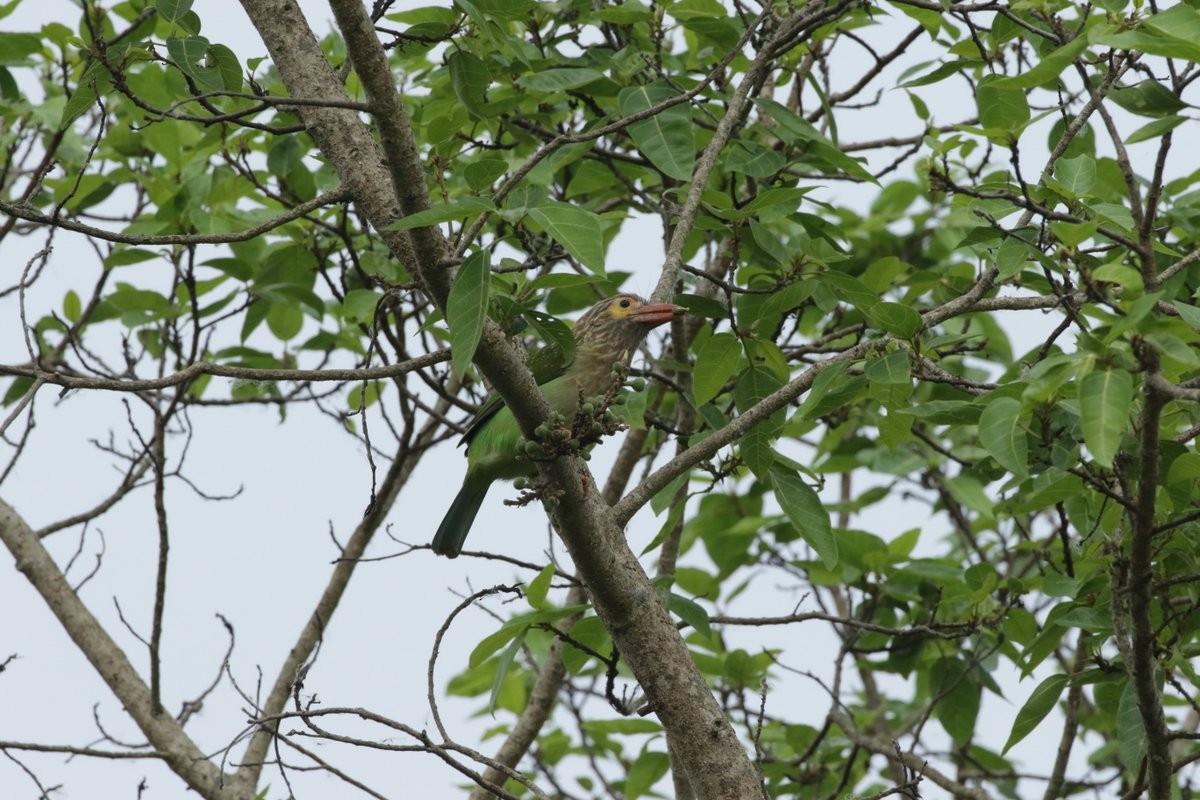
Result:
[
  {"x": 554, "y": 332},
  {"x": 226, "y": 63},
  {"x": 1189, "y": 314},
  {"x": 1077, "y": 175},
  {"x": 1049, "y": 68},
  {"x": 817, "y": 149},
  {"x": 576, "y": 229},
  {"x": 1155, "y": 129},
  {"x": 808, "y": 516},
  {"x": 502, "y": 667},
  {"x": 756, "y": 447},
  {"x": 1013, "y": 254},
  {"x": 715, "y": 363},
  {"x": 483, "y": 173},
  {"x": 1105, "y": 398},
  {"x": 896, "y": 318},
  {"x": 94, "y": 82},
  {"x": 191, "y": 54},
  {"x": 945, "y": 412},
  {"x": 690, "y": 612},
  {"x": 1073, "y": 233},
  {"x": 851, "y": 290},
  {"x": 1148, "y": 99},
  {"x": 537, "y": 589},
  {"x": 1131, "y": 732},
  {"x": 1001, "y": 434},
  {"x": 891, "y": 368},
  {"x": 958, "y": 708},
  {"x": 665, "y": 138},
  {"x": 559, "y": 79},
  {"x": 1184, "y": 469},
  {"x": 172, "y": 10},
  {"x": 1002, "y": 107},
  {"x": 470, "y": 78},
  {"x": 1039, "y": 704},
  {"x": 647, "y": 769},
  {"x": 626, "y": 726},
  {"x": 359, "y": 305},
  {"x": 285, "y": 320},
  {"x": 459, "y": 209},
  {"x": 826, "y": 379},
  {"x": 754, "y": 160},
  {"x": 590, "y": 633},
  {"x": 72, "y": 307},
  {"x": 1152, "y": 42},
  {"x": 467, "y": 308}
]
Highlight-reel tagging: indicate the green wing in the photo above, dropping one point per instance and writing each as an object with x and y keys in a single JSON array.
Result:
[{"x": 546, "y": 364}]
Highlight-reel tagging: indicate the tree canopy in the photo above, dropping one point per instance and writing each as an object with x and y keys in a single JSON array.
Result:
[{"x": 920, "y": 456}]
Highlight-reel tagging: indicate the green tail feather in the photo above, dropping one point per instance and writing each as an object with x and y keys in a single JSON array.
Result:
[{"x": 448, "y": 541}]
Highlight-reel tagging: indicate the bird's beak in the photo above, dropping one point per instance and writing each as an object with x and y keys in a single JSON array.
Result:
[{"x": 657, "y": 313}]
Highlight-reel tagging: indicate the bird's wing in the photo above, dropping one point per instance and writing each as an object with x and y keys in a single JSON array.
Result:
[{"x": 546, "y": 364}]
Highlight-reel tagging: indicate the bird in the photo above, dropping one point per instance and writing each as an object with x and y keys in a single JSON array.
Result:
[{"x": 605, "y": 336}]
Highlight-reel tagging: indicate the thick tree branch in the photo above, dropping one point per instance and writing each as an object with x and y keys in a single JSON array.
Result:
[{"x": 1143, "y": 661}]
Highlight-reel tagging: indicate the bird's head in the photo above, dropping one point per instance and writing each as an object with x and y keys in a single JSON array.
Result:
[{"x": 613, "y": 328}]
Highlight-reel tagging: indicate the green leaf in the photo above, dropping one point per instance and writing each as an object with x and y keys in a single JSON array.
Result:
[
  {"x": 537, "y": 589},
  {"x": 1001, "y": 434},
  {"x": 753, "y": 384},
  {"x": 559, "y": 79},
  {"x": 285, "y": 320},
  {"x": 172, "y": 10},
  {"x": 817, "y": 149},
  {"x": 447, "y": 212},
  {"x": 72, "y": 308},
  {"x": 631, "y": 727},
  {"x": 808, "y": 516},
  {"x": 647, "y": 770},
  {"x": 1012, "y": 255},
  {"x": 1002, "y": 107},
  {"x": 555, "y": 333},
  {"x": 1189, "y": 314},
  {"x": 893, "y": 368},
  {"x": 191, "y": 54},
  {"x": 576, "y": 229},
  {"x": 359, "y": 305},
  {"x": 1155, "y": 129},
  {"x": 467, "y": 308},
  {"x": 690, "y": 612},
  {"x": 896, "y": 318},
  {"x": 1105, "y": 398},
  {"x": 1148, "y": 99},
  {"x": 226, "y": 63},
  {"x": 1039, "y": 704},
  {"x": 1131, "y": 733},
  {"x": 958, "y": 708},
  {"x": 667, "y": 137},
  {"x": 715, "y": 363},
  {"x": 94, "y": 82},
  {"x": 1049, "y": 68},
  {"x": 481, "y": 174},
  {"x": 755, "y": 160},
  {"x": 1077, "y": 175},
  {"x": 470, "y": 78},
  {"x": 502, "y": 667}
]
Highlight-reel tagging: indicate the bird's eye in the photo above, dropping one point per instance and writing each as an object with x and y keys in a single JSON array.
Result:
[{"x": 625, "y": 302}]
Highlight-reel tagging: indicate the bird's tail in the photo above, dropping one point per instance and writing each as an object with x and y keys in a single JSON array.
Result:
[{"x": 448, "y": 541}]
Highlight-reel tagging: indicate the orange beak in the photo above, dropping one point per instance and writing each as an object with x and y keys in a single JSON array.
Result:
[{"x": 654, "y": 314}]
